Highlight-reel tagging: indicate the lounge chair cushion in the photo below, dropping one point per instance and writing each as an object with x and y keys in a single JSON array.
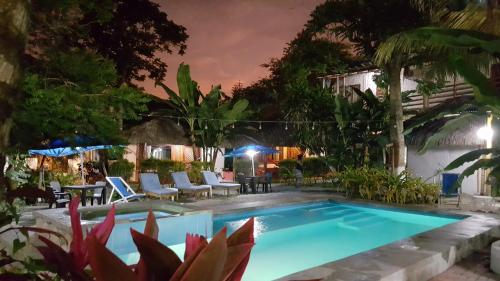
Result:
[
  {"x": 211, "y": 179},
  {"x": 150, "y": 182}
]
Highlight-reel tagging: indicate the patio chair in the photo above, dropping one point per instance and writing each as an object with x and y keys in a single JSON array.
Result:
[
  {"x": 449, "y": 189},
  {"x": 183, "y": 184},
  {"x": 211, "y": 179},
  {"x": 266, "y": 182},
  {"x": 150, "y": 184},
  {"x": 97, "y": 193},
  {"x": 242, "y": 180},
  {"x": 123, "y": 190},
  {"x": 56, "y": 189}
]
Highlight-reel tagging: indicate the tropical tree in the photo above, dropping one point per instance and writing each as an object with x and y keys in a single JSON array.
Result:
[
  {"x": 461, "y": 36},
  {"x": 130, "y": 33},
  {"x": 365, "y": 25},
  {"x": 217, "y": 116},
  {"x": 73, "y": 94},
  {"x": 199, "y": 111},
  {"x": 14, "y": 22}
]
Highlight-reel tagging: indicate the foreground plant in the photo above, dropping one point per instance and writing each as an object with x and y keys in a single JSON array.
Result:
[
  {"x": 220, "y": 260},
  {"x": 223, "y": 259}
]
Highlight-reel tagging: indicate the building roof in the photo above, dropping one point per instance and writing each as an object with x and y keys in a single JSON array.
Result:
[{"x": 464, "y": 137}]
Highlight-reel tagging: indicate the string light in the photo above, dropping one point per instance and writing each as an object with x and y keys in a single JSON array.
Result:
[
  {"x": 286, "y": 126},
  {"x": 206, "y": 126},
  {"x": 260, "y": 125},
  {"x": 260, "y": 122},
  {"x": 313, "y": 126}
]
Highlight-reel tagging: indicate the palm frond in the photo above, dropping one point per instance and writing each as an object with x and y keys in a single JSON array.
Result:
[
  {"x": 450, "y": 127},
  {"x": 479, "y": 164},
  {"x": 471, "y": 156},
  {"x": 475, "y": 17}
]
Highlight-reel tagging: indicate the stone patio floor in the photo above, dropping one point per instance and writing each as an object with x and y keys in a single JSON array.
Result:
[{"x": 475, "y": 267}]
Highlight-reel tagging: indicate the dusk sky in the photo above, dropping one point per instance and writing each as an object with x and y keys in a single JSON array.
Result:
[{"x": 230, "y": 39}]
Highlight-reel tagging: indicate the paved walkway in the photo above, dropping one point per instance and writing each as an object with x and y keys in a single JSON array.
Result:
[{"x": 473, "y": 268}]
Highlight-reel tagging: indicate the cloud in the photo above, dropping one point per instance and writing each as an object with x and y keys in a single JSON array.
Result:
[{"x": 230, "y": 39}]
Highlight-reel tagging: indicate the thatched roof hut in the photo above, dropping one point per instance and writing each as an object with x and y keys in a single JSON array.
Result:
[
  {"x": 157, "y": 131},
  {"x": 465, "y": 136}
]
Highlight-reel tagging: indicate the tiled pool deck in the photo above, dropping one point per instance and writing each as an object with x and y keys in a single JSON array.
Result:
[{"x": 416, "y": 258}]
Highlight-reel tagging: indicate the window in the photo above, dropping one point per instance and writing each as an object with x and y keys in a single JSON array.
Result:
[{"x": 161, "y": 152}]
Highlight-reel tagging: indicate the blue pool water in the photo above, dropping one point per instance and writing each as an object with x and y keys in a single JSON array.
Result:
[
  {"x": 293, "y": 238},
  {"x": 136, "y": 216}
]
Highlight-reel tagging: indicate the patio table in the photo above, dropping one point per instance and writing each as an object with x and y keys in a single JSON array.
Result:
[
  {"x": 253, "y": 182},
  {"x": 83, "y": 191}
]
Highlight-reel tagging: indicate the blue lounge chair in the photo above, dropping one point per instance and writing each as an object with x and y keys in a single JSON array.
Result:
[
  {"x": 123, "y": 189},
  {"x": 211, "y": 179},
  {"x": 183, "y": 184},
  {"x": 449, "y": 188},
  {"x": 150, "y": 184}
]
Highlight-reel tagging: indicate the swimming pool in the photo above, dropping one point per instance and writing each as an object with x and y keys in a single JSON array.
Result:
[{"x": 297, "y": 237}]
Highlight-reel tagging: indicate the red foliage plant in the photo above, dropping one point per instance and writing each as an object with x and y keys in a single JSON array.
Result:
[{"x": 221, "y": 259}]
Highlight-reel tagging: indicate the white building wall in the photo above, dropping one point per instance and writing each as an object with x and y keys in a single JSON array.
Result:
[{"x": 429, "y": 166}]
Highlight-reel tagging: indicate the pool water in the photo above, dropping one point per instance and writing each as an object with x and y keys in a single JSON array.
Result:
[
  {"x": 136, "y": 216},
  {"x": 295, "y": 238}
]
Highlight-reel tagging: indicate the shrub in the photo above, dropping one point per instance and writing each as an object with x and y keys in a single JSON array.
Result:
[
  {"x": 243, "y": 165},
  {"x": 121, "y": 168},
  {"x": 315, "y": 167},
  {"x": 163, "y": 168},
  {"x": 379, "y": 184},
  {"x": 195, "y": 170}
]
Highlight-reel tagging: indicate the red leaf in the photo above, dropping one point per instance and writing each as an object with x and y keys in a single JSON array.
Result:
[
  {"x": 193, "y": 242},
  {"x": 60, "y": 260},
  {"x": 240, "y": 244},
  {"x": 103, "y": 230},
  {"x": 187, "y": 263},
  {"x": 105, "y": 265},
  {"x": 236, "y": 262},
  {"x": 77, "y": 248},
  {"x": 157, "y": 261},
  {"x": 151, "y": 228},
  {"x": 209, "y": 263}
]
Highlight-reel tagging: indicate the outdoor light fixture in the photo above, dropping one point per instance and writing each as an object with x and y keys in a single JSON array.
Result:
[
  {"x": 313, "y": 126},
  {"x": 286, "y": 126},
  {"x": 485, "y": 133},
  {"x": 260, "y": 125},
  {"x": 178, "y": 122},
  {"x": 251, "y": 153}
]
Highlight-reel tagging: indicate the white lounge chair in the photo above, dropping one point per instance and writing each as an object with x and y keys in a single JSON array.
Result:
[
  {"x": 211, "y": 179},
  {"x": 123, "y": 189},
  {"x": 183, "y": 184},
  {"x": 150, "y": 184}
]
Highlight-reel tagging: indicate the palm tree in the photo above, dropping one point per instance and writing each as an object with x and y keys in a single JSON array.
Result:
[
  {"x": 365, "y": 25},
  {"x": 461, "y": 37},
  {"x": 14, "y": 18}
]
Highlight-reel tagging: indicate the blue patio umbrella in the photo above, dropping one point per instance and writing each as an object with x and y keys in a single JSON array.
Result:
[
  {"x": 251, "y": 151},
  {"x": 243, "y": 150},
  {"x": 67, "y": 151}
]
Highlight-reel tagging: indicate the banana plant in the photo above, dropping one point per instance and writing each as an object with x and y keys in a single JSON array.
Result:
[
  {"x": 208, "y": 117},
  {"x": 217, "y": 117},
  {"x": 186, "y": 101}
]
